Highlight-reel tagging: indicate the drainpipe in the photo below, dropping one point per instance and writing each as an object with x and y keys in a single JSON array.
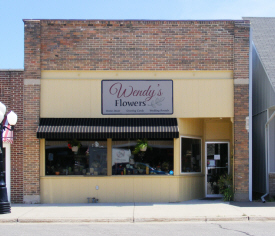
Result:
[
  {"x": 250, "y": 116},
  {"x": 266, "y": 156}
]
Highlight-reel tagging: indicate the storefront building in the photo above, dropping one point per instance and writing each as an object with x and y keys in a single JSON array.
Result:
[{"x": 105, "y": 86}]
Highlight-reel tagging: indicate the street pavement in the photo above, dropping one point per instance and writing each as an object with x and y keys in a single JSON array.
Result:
[{"x": 190, "y": 211}]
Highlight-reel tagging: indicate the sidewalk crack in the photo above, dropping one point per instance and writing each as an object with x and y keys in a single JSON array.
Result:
[{"x": 23, "y": 214}]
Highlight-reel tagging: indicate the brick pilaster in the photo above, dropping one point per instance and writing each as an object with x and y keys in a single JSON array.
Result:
[
  {"x": 31, "y": 111},
  {"x": 241, "y": 111}
]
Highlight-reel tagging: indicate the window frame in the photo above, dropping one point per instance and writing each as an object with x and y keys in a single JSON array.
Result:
[{"x": 190, "y": 173}]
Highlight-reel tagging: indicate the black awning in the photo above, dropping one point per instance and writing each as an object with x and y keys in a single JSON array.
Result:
[{"x": 103, "y": 128}]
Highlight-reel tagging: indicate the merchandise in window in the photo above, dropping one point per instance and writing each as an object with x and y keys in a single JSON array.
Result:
[
  {"x": 76, "y": 157},
  {"x": 130, "y": 158},
  {"x": 190, "y": 155}
]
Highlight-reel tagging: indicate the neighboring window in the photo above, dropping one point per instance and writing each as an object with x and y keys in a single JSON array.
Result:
[
  {"x": 158, "y": 159},
  {"x": 90, "y": 159},
  {"x": 190, "y": 155}
]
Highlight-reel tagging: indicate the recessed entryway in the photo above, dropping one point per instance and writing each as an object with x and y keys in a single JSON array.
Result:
[{"x": 217, "y": 164}]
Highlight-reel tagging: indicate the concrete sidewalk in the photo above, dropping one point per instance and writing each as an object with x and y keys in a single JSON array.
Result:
[{"x": 194, "y": 210}]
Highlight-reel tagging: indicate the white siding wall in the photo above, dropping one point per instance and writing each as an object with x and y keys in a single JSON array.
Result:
[
  {"x": 271, "y": 145},
  {"x": 262, "y": 99},
  {"x": 263, "y": 94}
]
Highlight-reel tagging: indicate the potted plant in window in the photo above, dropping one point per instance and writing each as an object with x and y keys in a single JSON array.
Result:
[
  {"x": 141, "y": 146},
  {"x": 74, "y": 145}
]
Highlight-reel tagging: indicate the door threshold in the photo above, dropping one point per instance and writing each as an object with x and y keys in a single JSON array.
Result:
[{"x": 211, "y": 198}]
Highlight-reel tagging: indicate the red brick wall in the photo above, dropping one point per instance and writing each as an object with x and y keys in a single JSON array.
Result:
[
  {"x": 135, "y": 45},
  {"x": 241, "y": 148},
  {"x": 31, "y": 111},
  {"x": 241, "y": 111},
  {"x": 32, "y": 50},
  {"x": 11, "y": 94}
]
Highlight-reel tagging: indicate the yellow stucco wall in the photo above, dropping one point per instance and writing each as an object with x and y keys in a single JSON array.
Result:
[
  {"x": 218, "y": 129},
  {"x": 119, "y": 189},
  {"x": 78, "y": 94},
  {"x": 203, "y": 105}
]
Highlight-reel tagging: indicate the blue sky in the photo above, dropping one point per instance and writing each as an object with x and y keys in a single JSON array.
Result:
[{"x": 12, "y": 12}]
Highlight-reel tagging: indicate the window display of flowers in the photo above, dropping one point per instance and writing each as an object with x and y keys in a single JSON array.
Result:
[
  {"x": 142, "y": 145},
  {"x": 74, "y": 145}
]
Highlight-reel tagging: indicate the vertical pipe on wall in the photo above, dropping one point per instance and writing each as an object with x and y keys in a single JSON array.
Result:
[
  {"x": 266, "y": 153},
  {"x": 250, "y": 116},
  {"x": 233, "y": 153}
]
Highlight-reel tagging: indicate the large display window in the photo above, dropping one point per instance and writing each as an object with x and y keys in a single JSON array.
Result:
[
  {"x": 128, "y": 157},
  {"x": 190, "y": 155},
  {"x": 62, "y": 158}
]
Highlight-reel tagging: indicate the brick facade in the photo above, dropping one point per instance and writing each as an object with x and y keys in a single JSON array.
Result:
[
  {"x": 241, "y": 111},
  {"x": 32, "y": 55},
  {"x": 133, "y": 45},
  {"x": 11, "y": 94},
  {"x": 137, "y": 45},
  {"x": 241, "y": 152}
]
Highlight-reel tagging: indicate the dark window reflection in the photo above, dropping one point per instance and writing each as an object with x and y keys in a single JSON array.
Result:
[
  {"x": 156, "y": 160},
  {"x": 90, "y": 159}
]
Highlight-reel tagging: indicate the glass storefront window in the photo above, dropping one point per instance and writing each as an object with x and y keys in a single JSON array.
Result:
[
  {"x": 190, "y": 155},
  {"x": 156, "y": 160},
  {"x": 90, "y": 159}
]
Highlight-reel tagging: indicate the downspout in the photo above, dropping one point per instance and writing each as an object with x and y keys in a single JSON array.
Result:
[
  {"x": 266, "y": 155},
  {"x": 250, "y": 117}
]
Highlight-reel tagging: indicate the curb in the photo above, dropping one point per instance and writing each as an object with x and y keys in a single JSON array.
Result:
[
  {"x": 261, "y": 218},
  {"x": 66, "y": 220},
  {"x": 13, "y": 220},
  {"x": 228, "y": 218},
  {"x": 193, "y": 219},
  {"x": 184, "y": 219},
  {"x": 139, "y": 220},
  {"x": 72, "y": 220}
]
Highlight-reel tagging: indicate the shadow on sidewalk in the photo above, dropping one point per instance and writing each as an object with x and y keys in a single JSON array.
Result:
[
  {"x": 190, "y": 202},
  {"x": 253, "y": 204}
]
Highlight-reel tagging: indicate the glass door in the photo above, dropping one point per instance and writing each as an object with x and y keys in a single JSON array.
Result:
[{"x": 217, "y": 164}]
